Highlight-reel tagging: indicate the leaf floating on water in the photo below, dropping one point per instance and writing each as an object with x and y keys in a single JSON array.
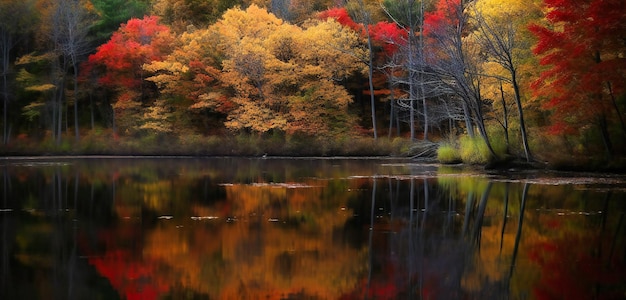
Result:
[
  {"x": 196, "y": 218},
  {"x": 285, "y": 185},
  {"x": 288, "y": 185}
]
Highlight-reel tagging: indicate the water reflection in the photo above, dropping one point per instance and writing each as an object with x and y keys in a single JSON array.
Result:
[{"x": 306, "y": 229}]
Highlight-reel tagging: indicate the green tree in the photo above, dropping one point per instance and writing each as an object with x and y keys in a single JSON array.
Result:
[{"x": 112, "y": 14}]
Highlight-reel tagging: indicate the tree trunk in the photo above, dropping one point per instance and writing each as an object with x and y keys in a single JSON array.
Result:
[
  {"x": 392, "y": 110},
  {"x": 5, "y": 107},
  {"x": 60, "y": 115},
  {"x": 522, "y": 125},
  {"x": 76, "y": 129},
  {"x": 370, "y": 79},
  {"x": 483, "y": 133},
  {"x": 421, "y": 75},
  {"x": 606, "y": 138},
  {"x": 91, "y": 110},
  {"x": 468, "y": 120},
  {"x": 505, "y": 117},
  {"x": 617, "y": 111}
]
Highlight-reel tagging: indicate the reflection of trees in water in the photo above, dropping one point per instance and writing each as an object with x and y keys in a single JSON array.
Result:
[
  {"x": 437, "y": 255},
  {"x": 587, "y": 264},
  {"x": 8, "y": 233},
  {"x": 446, "y": 237},
  {"x": 40, "y": 219},
  {"x": 432, "y": 247}
]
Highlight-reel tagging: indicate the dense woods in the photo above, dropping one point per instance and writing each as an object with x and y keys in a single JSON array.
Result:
[{"x": 481, "y": 80}]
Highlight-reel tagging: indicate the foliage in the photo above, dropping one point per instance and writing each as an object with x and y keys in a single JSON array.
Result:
[
  {"x": 389, "y": 36},
  {"x": 285, "y": 77},
  {"x": 582, "y": 47},
  {"x": 136, "y": 43},
  {"x": 112, "y": 13},
  {"x": 447, "y": 154},
  {"x": 473, "y": 150},
  {"x": 246, "y": 77}
]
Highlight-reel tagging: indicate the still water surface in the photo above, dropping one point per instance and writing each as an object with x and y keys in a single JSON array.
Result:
[{"x": 233, "y": 228}]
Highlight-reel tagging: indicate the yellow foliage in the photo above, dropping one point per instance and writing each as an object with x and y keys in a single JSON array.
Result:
[
  {"x": 509, "y": 20},
  {"x": 157, "y": 118},
  {"x": 46, "y": 87},
  {"x": 284, "y": 76}
]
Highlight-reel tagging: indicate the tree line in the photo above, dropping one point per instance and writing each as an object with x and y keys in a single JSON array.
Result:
[{"x": 515, "y": 77}]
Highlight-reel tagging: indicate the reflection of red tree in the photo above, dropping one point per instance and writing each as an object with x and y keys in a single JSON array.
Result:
[
  {"x": 130, "y": 277},
  {"x": 125, "y": 268},
  {"x": 391, "y": 283},
  {"x": 569, "y": 271}
]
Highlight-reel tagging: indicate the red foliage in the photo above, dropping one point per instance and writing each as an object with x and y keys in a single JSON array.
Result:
[
  {"x": 341, "y": 15},
  {"x": 583, "y": 49},
  {"x": 387, "y": 35},
  {"x": 567, "y": 272},
  {"x": 123, "y": 265},
  {"x": 131, "y": 277},
  {"x": 446, "y": 15},
  {"x": 136, "y": 43}
]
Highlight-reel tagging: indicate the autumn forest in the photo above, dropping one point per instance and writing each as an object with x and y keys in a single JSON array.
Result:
[{"x": 476, "y": 81}]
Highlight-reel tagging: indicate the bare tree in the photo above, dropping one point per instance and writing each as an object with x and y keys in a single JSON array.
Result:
[
  {"x": 460, "y": 69},
  {"x": 406, "y": 15},
  {"x": 364, "y": 17},
  {"x": 499, "y": 42},
  {"x": 71, "y": 25}
]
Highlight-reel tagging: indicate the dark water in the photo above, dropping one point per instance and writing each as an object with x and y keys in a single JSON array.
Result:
[{"x": 306, "y": 229}]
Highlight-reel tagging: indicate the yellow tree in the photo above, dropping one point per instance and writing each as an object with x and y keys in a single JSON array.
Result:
[
  {"x": 187, "y": 78},
  {"x": 501, "y": 32},
  {"x": 285, "y": 77}
]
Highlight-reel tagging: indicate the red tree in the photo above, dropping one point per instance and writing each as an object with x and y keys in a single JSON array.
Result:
[
  {"x": 341, "y": 15},
  {"x": 136, "y": 43},
  {"x": 583, "y": 48},
  {"x": 445, "y": 15},
  {"x": 384, "y": 34}
]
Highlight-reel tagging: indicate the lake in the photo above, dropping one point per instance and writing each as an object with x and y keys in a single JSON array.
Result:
[{"x": 254, "y": 228}]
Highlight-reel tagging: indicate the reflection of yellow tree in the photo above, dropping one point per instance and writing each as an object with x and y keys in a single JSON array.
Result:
[{"x": 280, "y": 244}]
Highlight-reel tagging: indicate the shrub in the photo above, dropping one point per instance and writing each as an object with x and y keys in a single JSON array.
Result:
[
  {"x": 447, "y": 154},
  {"x": 473, "y": 150}
]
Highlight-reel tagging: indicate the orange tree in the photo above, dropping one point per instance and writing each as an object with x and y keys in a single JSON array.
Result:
[{"x": 266, "y": 75}]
